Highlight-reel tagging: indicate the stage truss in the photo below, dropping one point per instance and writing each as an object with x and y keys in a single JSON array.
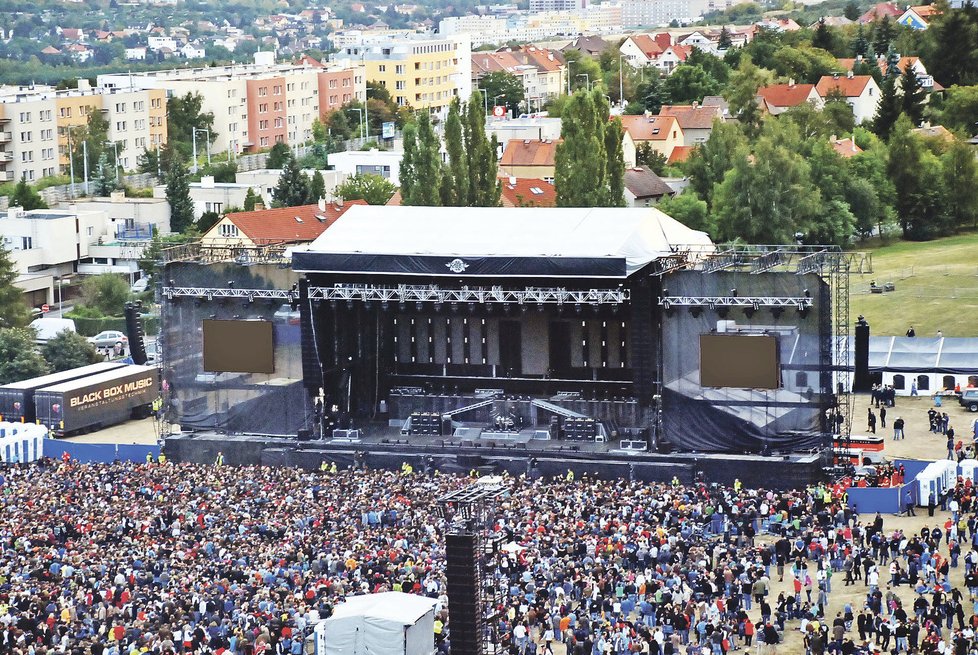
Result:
[{"x": 833, "y": 264}]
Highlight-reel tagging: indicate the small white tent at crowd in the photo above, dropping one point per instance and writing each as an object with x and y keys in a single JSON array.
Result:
[{"x": 389, "y": 623}]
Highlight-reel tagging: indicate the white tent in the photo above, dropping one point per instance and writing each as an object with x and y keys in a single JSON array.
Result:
[{"x": 390, "y": 623}]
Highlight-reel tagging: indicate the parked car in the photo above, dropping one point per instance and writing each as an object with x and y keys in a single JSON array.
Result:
[
  {"x": 109, "y": 339},
  {"x": 48, "y": 328},
  {"x": 969, "y": 399},
  {"x": 140, "y": 285}
]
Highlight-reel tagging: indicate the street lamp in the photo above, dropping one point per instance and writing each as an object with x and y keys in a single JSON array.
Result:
[
  {"x": 621, "y": 82},
  {"x": 495, "y": 101},
  {"x": 360, "y": 114},
  {"x": 587, "y": 80},
  {"x": 115, "y": 149},
  {"x": 208, "y": 133},
  {"x": 485, "y": 98}
]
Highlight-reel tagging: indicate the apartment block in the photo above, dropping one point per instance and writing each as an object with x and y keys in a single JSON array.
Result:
[
  {"x": 36, "y": 124},
  {"x": 423, "y": 72},
  {"x": 256, "y": 105}
]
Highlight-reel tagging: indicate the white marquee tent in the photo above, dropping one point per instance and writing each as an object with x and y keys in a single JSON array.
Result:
[{"x": 390, "y": 623}]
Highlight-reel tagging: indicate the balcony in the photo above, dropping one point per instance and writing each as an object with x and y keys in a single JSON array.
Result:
[
  {"x": 135, "y": 233},
  {"x": 5, "y": 137},
  {"x": 6, "y": 157},
  {"x": 6, "y": 176}
]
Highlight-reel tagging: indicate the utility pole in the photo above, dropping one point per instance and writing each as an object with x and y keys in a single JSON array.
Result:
[
  {"x": 85, "y": 161},
  {"x": 194, "y": 139},
  {"x": 71, "y": 164}
]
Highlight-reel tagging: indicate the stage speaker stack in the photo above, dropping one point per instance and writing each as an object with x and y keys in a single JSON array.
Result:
[
  {"x": 304, "y": 435},
  {"x": 580, "y": 429},
  {"x": 425, "y": 424},
  {"x": 464, "y": 600},
  {"x": 860, "y": 379},
  {"x": 134, "y": 330}
]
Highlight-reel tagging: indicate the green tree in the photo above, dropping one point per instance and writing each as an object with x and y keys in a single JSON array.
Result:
[
  {"x": 646, "y": 155},
  {"x": 913, "y": 97},
  {"x": 961, "y": 180},
  {"x": 655, "y": 94},
  {"x": 25, "y": 196},
  {"x": 183, "y": 116},
  {"x": 883, "y": 34},
  {"x": 887, "y": 110},
  {"x": 483, "y": 169},
  {"x": 860, "y": 45},
  {"x": 455, "y": 181},
  {"x": 870, "y": 167},
  {"x": 320, "y": 133},
  {"x": 741, "y": 94},
  {"x": 317, "y": 188},
  {"x": 69, "y": 350},
  {"x": 838, "y": 115},
  {"x": 292, "y": 188},
  {"x": 208, "y": 220},
  {"x": 106, "y": 293},
  {"x": 338, "y": 124},
  {"x": 689, "y": 84},
  {"x": 822, "y": 37},
  {"x": 960, "y": 110},
  {"x": 767, "y": 198},
  {"x": 250, "y": 200},
  {"x": 614, "y": 162},
  {"x": 19, "y": 359},
  {"x": 851, "y": 11},
  {"x": 710, "y": 161},
  {"x": 581, "y": 166},
  {"x": 178, "y": 195},
  {"x": 90, "y": 140},
  {"x": 724, "y": 42},
  {"x": 507, "y": 85},
  {"x": 950, "y": 51},
  {"x": 278, "y": 155},
  {"x": 408, "y": 173},
  {"x": 426, "y": 166},
  {"x": 374, "y": 189},
  {"x": 104, "y": 182},
  {"x": 13, "y": 309},
  {"x": 918, "y": 179},
  {"x": 688, "y": 210}
]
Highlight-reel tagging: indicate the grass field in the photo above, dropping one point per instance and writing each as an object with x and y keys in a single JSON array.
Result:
[{"x": 936, "y": 288}]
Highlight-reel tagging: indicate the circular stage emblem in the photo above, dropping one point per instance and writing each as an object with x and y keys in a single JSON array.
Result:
[{"x": 457, "y": 266}]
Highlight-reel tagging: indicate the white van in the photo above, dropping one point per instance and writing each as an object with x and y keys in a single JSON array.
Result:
[
  {"x": 49, "y": 328},
  {"x": 140, "y": 285}
]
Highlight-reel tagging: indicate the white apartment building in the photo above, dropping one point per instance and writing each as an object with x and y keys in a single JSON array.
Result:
[
  {"x": 35, "y": 126},
  {"x": 556, "y": 5},
  {"x": 527, "y": 27},
  {"x": 657, "y": 13},
  {"x": 256, "y": 105}
]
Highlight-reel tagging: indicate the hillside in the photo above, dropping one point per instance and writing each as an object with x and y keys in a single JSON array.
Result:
[{"x": 936, "y": 288}]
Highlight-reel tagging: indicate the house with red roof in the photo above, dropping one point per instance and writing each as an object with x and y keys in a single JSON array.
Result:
[
  {"x": 661, "y": 133},
  {"x": 695, "y": 120},
  {"x": 644, "y": 49},
  {"x": 672, "y": 57},
  {"x": 918, "y": 17},
  {"x": 846, "y": 148},
  {"x": 779, "y": 98},
  {"x": 878, "y": 11},
  {"x": 860, "y": 91},
  {"x": 528, "y": 193},
  {"x": 529, "y": 159},
  {"x": 300, "y": 224}
]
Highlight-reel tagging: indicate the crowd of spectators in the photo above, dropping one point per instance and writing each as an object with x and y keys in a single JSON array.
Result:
[{"x": 124, "y": 558}]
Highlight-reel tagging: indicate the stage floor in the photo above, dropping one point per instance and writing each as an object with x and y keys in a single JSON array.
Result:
[{"x": 381, "y": 446}]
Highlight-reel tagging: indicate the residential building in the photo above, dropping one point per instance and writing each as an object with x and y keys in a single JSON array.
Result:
[
  {"x": 779, "y": 98},
  {"x": 860, "y": 91},
  {"x": 662, "y": 133},
  {"x": 385, "y": 163},
  {"x": 256, "y": 105},
  {"x": 672, "y": 57},
  {"x": 643, "y": 188},
  {"x": 557, "y": 5},
  {"x": 541, "y": 71},
  {"x": 846, "y": 148},
  {"x": 655, "y": 13},
  {"x": 539, "y": 128},
  {"x": 263, "y": 181},
  {"x": 423, "y": 72},
  {"x": 300, "y": 224},
  {"x": 918, "y": 17},
  {"x": 136, "y": 54},
  {"x": 878, "y": 11},
  {"x": 36, "y": 124},
  {"x": 529, "y": 159},
  {"x": 591, "y": 46},
  {"x": 696, "y": 121},
  {"x": 518, "y": 192},
  {"x": 644, "y": 49},
  {"x": 50, "y": 244},
  {"x": 926, "y": 80}
]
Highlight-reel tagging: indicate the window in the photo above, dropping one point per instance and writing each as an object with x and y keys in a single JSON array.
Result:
[
  {"x": 382, "y": 68},
  {"x": 262, "y": 91},
  {"x": 65, "y": 112},
  {"x": 229, "y": 230},
  {"x": 26, "y": 243},
  {"x": 948, "y": 382},
  {"x": 138, "y": 106},
  {"x": 923, "y": 382},
  {"x": 278, "y": 122},
  {"x": 278, "y": 106},
  {"x": 27, "y": 156},
  {"x": 214, "y": 207},
  {"x": 399, "y": 69},
  {"x": 120, "y": 107},
  {"x": 973, "y": 380},
  {"x": 277, "y": 90},
  {"x": 26, "y": 137},
  {"x": 89, "y": 231},
  {"x": 332, "y": 84},
  {"x": 263, "y": 108},
  {"x": 120, "y": 126},
  {"x": 262, "y": 125},
  {"x": 899, "y": 382},
  {"x": 25, "y": 117},
  {"x": 399, "y": 85},
  {"x": 263, "y": 141}
]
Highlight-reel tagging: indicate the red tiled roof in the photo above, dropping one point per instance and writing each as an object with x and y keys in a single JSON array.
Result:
[
  {"x": 289, "y": 224},
  {"x": 528, "y": 192},
  {"x": 647, "y": 45},
  {"x": 786, "y": 95},
  {"x": 880, "y": 10},
  {"x": 680, "y": 154},
  {"x": 306, "y": 60},
  {"x": 544, "y": 59},
  {"x": 649, "y": 128},
  {"x": 692, "y": 117},
  {"x": 529, "y": 152},
  {"x": 845, "y": 147},
  {"x": 851, "y": 87}
]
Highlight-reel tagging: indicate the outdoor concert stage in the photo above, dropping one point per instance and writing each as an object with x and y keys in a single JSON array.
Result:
[{"x": 490, "y": 336}]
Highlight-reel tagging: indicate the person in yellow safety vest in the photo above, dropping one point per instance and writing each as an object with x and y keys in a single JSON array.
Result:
[
  {"x": 406, "y": 468},
  {"x": 332, "y": 467},
  {"x": 161, "y": 459},
  {"x": 570, "y": 475},
  {"x": 149, "y": 458},
  {"x": 323, "y": 466},
  {"x": 675, "y": 482},
  {"x": 157, "y": 406},
  {"x": 219, "y": 460},
  {"x": 737, "y": 485},
  {"x": 473, "y": 473}
]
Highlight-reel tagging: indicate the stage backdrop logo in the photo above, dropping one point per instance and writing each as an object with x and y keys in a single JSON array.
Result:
[{"x": 457, "y": 266}]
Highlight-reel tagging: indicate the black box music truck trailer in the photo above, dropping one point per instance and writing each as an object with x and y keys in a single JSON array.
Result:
[
  {"x": 17, "y": 398},
  {"x": 97, "y": 401}
]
